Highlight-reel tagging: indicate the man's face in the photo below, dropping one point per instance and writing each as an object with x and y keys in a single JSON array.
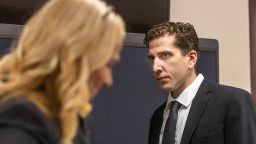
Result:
[{"x": 171, "y": 69}]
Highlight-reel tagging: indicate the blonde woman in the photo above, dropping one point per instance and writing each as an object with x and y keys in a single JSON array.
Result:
[{"x": 63, "y": 57}]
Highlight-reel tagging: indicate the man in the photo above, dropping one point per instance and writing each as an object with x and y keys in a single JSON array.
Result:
[{"x": 205, "y": 113}]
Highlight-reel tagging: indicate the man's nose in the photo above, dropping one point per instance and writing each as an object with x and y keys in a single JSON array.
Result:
[{"x": 157, "y": 67}]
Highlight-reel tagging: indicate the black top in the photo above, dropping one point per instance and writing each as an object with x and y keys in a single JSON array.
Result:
[{"x": 22, "y": 123}]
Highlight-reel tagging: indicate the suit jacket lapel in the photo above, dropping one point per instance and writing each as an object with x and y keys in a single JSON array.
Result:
[
  {"x": 157, "y": 124},
  {"x": 196, "y": 110}
]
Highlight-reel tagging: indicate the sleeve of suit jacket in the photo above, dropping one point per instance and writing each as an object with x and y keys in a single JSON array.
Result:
[
  {"x": 240, "y": 123},
  {"x": 22, "y": 123}
]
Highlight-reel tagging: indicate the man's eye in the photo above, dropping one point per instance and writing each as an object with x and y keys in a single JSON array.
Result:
[
  {"x": 151, "y": 58},
  {"x": 164, "y": 56}
]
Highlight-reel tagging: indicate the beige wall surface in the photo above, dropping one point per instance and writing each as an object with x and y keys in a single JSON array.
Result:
[{"x": 228, "y": 22}]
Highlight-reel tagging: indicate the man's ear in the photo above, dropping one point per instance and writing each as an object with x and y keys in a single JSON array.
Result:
[{"x": 192, "y": 58}]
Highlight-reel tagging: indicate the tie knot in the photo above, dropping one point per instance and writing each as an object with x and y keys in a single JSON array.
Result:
[{"x": 174, "y": 106}]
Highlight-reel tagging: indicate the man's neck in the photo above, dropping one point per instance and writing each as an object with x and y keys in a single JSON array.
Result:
[{"x": 187, "y": 82}]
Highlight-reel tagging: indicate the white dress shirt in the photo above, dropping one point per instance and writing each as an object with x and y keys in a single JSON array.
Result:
[{"x": 185, "y": 99}]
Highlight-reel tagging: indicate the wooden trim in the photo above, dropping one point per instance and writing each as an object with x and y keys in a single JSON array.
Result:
[{"x": 252, "y": 16}]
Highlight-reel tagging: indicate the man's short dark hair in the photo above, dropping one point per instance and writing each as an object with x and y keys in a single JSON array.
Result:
[{"x": 185, "y": 35}]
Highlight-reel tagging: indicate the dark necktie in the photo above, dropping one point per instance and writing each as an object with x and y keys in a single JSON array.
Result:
[{"x": 170, "y": 126}]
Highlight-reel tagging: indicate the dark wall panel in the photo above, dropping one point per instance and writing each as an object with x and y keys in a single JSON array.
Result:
[{"x": 121, "y": 114}]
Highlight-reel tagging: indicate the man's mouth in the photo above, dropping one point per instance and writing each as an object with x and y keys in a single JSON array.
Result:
[{"x": 162, "y": 78}]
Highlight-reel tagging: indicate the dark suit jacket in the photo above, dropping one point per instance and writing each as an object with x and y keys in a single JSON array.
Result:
[
  {"x": 218, "y": 115},
  {"x": 22, "y": 123}
]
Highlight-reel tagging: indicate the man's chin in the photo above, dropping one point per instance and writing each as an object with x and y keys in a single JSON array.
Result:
[{"x": 165, "y": 88}]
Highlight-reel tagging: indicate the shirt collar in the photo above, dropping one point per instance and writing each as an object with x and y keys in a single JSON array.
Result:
[{"x": 188, "y": 94}]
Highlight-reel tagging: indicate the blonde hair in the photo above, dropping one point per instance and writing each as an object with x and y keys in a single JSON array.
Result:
[{"x": 60, "y": 47}]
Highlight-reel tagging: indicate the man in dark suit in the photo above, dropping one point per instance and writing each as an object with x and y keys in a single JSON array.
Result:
[{"x": 206, "y": 113}]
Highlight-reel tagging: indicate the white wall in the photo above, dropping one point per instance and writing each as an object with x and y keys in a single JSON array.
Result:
[{"x": 228, "y": 22}]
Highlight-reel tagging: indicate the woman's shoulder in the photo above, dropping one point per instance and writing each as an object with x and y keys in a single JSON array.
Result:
[
  {"x": 20, "y": 110},
  {"x": 17, "y": 106},
  {"x": 22, "y": 115}
]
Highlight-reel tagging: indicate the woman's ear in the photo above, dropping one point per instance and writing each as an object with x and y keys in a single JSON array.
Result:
[{"x": 192, "y": 55}]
